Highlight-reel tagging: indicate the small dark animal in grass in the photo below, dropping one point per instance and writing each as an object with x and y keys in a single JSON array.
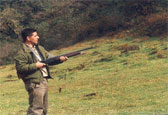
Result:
[
  {"x": 91, "y": 94},
  {"x": 60, "y": 90},
  {"x": 9, "y": 76}
]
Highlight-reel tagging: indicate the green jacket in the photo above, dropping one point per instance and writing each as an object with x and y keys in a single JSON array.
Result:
[{"x": 26, "y": 67}]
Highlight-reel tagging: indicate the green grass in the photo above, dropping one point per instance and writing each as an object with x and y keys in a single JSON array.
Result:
[{"x": 131, "y": 83}]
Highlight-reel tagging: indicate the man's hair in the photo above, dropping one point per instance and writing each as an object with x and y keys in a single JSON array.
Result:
[{"x": 27, "y": 32}]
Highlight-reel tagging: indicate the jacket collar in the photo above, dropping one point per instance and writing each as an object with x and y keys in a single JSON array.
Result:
[{"x": 26, "y": 49}]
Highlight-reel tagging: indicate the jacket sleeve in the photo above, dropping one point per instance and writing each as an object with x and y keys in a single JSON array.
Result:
[
  {"x": 50, "y": 58},
  {"x": 22, "y": 65}
]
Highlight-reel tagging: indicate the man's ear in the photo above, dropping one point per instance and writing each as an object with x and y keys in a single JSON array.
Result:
[{"x": 28, "y": 38}]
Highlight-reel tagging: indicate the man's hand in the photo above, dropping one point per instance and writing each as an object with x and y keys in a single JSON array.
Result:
[
  {"x": 40, "y": 65},
  {"x": 63, "y": 58}
]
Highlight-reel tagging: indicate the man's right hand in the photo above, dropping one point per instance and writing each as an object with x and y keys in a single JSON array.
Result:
[{"x": 40, "y": 65}]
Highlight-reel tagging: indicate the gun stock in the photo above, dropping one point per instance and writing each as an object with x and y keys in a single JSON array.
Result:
[{"x": 54, "y": 60}]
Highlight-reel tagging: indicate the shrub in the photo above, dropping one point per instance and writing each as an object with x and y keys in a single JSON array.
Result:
[
  {"x": 8, "y": 51},
  {"x": 125, "y": 48},
  {"x": 153, "y": 25}
]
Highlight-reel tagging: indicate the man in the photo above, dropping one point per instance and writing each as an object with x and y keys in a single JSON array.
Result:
[{"x": 34, "y": 74}]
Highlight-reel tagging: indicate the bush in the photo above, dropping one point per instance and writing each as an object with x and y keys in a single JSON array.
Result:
[
  {"x": 8, "y": 51},
  {"x": 154, "y": 25}
]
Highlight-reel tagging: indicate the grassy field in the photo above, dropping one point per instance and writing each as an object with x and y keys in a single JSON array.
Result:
[{"x": 119, "y": 76}]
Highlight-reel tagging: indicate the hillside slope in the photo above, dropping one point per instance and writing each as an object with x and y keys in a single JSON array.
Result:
[{"x": 121, "y": 75}]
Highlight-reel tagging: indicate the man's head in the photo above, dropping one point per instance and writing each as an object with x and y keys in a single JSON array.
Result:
[{"x": 30, "y": 36}]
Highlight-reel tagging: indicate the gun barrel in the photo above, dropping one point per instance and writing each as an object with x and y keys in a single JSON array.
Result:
[
  {"x": 84, "y": 49},
  {"x": 54, "y": 60},
  {"x": 74, "y": 53}
]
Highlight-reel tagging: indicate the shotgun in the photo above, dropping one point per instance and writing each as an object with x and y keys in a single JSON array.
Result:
[{"x": 54, "y": 60}]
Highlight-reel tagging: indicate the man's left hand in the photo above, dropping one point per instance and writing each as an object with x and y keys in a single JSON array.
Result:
[{"x": 63, "y": 58}]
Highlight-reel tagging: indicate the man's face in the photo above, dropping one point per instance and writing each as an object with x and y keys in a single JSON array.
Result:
[{"x": 33, "y": 39}]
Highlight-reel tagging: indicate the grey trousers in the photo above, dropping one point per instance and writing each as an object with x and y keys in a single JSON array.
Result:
[{"x": 38, "y": 98}]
